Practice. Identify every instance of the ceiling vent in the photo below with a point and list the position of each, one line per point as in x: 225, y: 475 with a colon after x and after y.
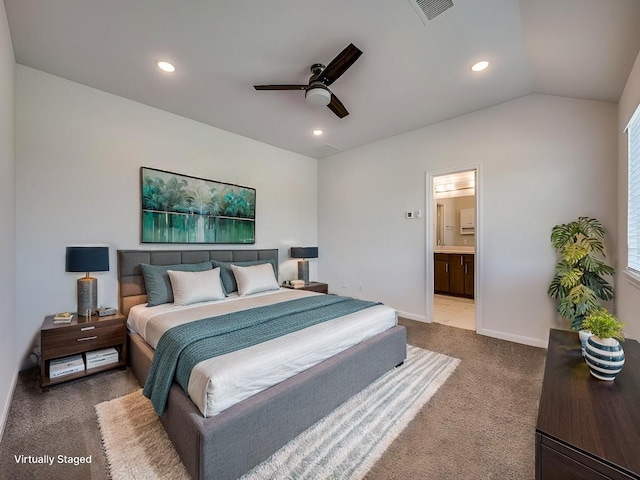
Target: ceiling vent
x: 430, y: 9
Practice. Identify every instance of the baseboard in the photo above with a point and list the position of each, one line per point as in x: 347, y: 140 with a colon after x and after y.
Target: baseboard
x: 412, y: 316
x: 7, y: 404
x: 533, y: 342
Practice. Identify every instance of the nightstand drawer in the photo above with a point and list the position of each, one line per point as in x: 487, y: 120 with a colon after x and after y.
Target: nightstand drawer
x: 81, y: 335
x: 81, y: 338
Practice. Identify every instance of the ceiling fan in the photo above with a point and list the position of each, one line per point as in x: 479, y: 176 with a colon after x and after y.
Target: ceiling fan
x: 317, y: 91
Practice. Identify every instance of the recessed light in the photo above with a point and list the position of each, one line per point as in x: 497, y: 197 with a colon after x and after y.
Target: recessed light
x: 166, y: 67
x: 317, y: 132
x: 478, y: 67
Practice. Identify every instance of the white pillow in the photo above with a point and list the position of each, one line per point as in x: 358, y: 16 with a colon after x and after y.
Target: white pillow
x: 255, y: 278
x: 195, y: 287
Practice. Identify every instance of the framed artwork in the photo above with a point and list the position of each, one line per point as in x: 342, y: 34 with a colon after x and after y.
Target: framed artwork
x: 179, y: 208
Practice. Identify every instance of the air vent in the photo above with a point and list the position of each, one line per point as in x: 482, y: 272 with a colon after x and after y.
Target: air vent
x: 430, y: 9
x: 325, y: 150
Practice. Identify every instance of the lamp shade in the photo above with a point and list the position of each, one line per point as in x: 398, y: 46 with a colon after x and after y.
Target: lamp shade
x: 304, y: 252
x: 87, y: 259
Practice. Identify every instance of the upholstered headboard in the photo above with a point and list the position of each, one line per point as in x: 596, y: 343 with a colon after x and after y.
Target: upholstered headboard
x: 131, y: 289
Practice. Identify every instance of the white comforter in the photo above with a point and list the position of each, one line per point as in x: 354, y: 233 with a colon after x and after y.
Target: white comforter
x: 220, y: 382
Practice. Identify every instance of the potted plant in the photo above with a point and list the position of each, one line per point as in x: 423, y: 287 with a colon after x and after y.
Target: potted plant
x: 603, y: 351
x: 579, y: 280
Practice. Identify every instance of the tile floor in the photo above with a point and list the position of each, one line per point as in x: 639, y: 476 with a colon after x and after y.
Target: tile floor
x: 454, y: 311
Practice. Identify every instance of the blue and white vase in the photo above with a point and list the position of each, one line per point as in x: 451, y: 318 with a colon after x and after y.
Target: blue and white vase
x: 584, y: 335
x: 604, y: 356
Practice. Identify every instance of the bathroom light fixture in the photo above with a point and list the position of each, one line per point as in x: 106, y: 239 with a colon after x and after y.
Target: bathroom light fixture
x: 166, y: 67
x: 479, y: 66
x: 317, y: 132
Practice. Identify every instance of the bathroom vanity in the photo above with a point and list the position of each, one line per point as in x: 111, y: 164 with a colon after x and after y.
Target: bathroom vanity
x: 454, y: 271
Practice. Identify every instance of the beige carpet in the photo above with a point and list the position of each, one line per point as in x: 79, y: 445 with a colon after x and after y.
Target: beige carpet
x: 479, y: 425
x: 345, y: 444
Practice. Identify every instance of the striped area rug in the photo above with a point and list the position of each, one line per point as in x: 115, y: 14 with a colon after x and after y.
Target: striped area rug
x: 343, y: 445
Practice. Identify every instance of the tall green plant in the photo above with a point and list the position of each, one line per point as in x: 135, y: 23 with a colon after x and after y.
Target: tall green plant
x: 578, y: 282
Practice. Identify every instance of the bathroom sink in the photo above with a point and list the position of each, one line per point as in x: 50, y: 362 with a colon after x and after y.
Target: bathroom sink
x: 455, y: 249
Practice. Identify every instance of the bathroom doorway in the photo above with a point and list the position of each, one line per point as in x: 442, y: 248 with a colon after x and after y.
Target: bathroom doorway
x: 453, y: 247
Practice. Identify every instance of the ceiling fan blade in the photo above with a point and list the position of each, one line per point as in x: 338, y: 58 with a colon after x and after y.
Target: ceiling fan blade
x: 340, y: 64
x: 281, y: 87
x: 337, y: 107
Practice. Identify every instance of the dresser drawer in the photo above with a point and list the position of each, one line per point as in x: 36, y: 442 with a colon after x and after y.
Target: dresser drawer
x: 81, y: 338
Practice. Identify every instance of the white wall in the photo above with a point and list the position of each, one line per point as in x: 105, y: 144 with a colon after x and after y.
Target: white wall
x: 8, y: 366
x: 627, y: 294
x: 545, y: 160
x: 79, y: 153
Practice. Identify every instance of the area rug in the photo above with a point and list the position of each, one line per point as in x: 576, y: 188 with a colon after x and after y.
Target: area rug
x: 343, y: 445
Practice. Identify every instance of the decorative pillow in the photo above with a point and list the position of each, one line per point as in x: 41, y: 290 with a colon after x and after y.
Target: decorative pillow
x: 157, y: 283
x: 254, y: 279
x: 227, y: 277
x: 195, y: 287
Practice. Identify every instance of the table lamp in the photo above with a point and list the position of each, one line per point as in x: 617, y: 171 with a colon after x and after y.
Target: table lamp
x: 87, y: 259
x: 303, y: 265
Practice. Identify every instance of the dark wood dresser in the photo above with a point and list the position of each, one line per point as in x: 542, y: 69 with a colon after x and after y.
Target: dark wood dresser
x: 587, y: 428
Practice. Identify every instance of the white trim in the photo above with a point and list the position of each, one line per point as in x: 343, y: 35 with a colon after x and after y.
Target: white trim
x: 632, y: 277
x: 7, y: 405
x: 477, y: 281
x: 636, y: 113
x: 534, y: 342
x: 633, y: 207
x: 413, y: 316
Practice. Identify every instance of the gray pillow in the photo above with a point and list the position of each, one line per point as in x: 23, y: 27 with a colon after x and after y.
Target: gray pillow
x: 227, y: 276
x: 157, y: 283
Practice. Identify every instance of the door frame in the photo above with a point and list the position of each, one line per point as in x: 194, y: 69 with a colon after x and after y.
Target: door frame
x: 477, y: 271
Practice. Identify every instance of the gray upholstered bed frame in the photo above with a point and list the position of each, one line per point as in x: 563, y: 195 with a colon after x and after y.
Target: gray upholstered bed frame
x: 227, y: 445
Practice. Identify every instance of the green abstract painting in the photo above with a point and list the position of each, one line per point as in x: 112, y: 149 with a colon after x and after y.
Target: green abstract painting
x: 182, y: 209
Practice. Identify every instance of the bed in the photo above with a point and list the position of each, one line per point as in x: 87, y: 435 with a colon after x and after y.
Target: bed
x: 234, y: 440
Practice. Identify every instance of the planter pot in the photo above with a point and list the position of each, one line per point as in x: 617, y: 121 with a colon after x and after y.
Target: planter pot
x: 604, y: 356
x: 584, y: 335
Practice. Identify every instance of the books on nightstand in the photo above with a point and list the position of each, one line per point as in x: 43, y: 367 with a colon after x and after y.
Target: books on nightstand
x: 98, y: 358
x: 64, y: 317
x: 297, y: 283
x: 65, y: 366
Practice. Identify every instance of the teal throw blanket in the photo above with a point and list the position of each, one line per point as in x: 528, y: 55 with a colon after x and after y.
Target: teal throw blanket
x: 182, y: 347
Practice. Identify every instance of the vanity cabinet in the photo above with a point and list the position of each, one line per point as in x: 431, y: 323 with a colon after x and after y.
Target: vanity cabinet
x: 441, y: 272
x: 456, y: 274
x: 453, y: 274
x: 468, y: 275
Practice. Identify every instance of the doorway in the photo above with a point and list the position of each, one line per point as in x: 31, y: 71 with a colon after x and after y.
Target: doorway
x: 453, y: 247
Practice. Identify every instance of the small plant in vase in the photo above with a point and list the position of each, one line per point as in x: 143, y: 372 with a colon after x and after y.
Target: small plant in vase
x: 603, y: 351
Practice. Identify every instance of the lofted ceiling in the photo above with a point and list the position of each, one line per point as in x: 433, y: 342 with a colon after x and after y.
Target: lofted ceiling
x: 413, y: 72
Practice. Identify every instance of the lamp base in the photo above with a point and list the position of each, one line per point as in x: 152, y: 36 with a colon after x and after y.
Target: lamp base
x: 303, y: 271
x: 87, y: 296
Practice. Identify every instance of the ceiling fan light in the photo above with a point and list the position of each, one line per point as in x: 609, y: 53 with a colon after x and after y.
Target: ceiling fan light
x: 318, y: 96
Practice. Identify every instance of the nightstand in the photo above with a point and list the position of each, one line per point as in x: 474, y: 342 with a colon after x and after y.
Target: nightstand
x: 82, y: 335
x: 313, y: 287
